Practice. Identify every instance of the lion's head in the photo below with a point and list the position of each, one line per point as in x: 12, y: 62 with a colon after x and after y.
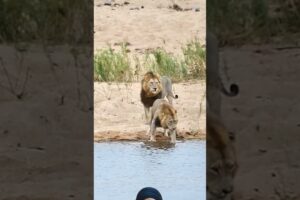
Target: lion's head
x: 221, y: 160
x: 151, y: 84
x: 168, y: 116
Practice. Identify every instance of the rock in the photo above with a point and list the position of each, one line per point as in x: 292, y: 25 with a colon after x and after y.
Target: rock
x: 257, y: 128
x: 135, y: 8
x: 107, y: 3
x: 262, y: 150
x: 176, y: 7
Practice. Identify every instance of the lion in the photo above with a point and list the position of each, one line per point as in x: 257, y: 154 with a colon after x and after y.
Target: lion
x: 164, y: 115
x: 221, y: 163
x: 155, y: 87
x: 215, y: 86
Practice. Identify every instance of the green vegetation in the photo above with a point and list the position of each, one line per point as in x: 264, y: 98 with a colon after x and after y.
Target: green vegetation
x: 166, y: 64
x: 110, y: 65
x: 237, y: 21
x: 45, y: 21
x: 195, y: 58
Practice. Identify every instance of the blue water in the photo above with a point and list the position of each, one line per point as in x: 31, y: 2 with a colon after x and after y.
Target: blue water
x: 123, y: 168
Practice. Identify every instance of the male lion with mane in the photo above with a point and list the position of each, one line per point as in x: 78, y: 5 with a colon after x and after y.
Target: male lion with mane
x: 221, y: 160
x: 155, y: 87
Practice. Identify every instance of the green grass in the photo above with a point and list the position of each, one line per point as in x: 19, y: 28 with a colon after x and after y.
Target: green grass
x: 195, y: 58
x: 238, y: 22
x: 112, y: 66
x: 45, y: 20
x: 115, y: 66
x: 166, y: 64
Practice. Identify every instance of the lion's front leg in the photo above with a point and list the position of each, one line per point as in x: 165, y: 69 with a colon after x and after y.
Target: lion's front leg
x: 147, y: 115
x: 173, y: 136
x: 166, y: 132
x: 152, y: 131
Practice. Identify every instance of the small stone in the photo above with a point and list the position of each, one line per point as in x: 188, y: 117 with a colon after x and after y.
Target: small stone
x: 257, y: 128
x: 136, y: 8
x: 176, y: 7
x: 262, y: 150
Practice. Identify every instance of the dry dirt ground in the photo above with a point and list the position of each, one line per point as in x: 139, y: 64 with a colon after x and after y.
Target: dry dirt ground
x: 154, y: 25
x: 267, y: 128
x: 36, y: 127
x: 145, y: 25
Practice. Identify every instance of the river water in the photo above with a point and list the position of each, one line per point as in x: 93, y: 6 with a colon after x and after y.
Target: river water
x: 121, y: 169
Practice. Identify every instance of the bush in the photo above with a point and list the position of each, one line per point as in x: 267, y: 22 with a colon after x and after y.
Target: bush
x: 112, y: 66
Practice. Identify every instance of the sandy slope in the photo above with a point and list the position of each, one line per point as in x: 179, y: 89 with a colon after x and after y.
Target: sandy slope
x: 153, y: 26
x: 119, y: 114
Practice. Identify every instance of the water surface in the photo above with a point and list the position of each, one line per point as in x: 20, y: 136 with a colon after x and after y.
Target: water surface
x: 123, y: 168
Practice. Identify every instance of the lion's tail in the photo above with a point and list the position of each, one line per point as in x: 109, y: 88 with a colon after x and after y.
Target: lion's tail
x: 175, y: 96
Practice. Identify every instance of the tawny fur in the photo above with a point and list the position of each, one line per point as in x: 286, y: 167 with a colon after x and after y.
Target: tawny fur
x: 155, y: 87
x: 145, y: 88
x: 163, y: 115
x: 221, y: 160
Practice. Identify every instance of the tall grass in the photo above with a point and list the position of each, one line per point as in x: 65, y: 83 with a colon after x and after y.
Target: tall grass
x: 166, y: 64
x: 110, y: 65
x: 45, y: 20
x: 195, y: 58
x: 237, y: 21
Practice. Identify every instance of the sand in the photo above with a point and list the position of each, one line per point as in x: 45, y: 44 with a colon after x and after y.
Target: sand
x: 119, y: 113
x: 155, y: 25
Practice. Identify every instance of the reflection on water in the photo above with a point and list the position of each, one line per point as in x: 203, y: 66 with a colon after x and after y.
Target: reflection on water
x: 158, y: 145
x: 123, y: 168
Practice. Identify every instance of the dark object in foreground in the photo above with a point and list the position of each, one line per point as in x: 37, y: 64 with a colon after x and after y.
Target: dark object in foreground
x: 149, y: 192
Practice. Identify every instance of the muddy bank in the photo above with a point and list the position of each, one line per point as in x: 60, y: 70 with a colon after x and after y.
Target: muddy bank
x: 141, y: 136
